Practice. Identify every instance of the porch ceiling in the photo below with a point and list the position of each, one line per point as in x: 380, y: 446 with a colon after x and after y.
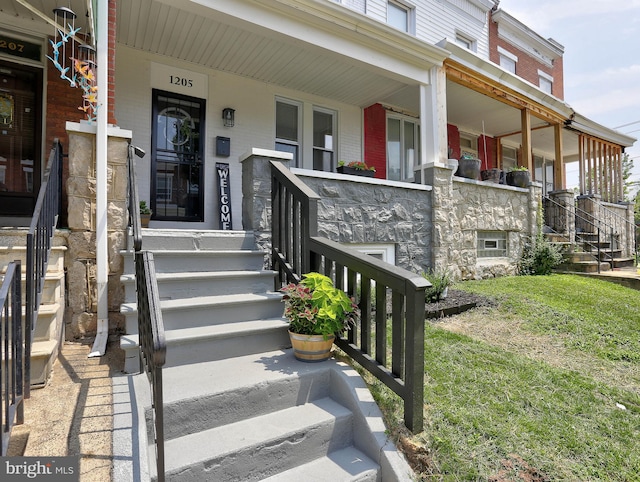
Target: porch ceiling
x: 216, y: 41
x: 468, y: 109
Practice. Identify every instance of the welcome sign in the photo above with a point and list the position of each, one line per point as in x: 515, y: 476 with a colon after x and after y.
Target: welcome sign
x: 224, y: 195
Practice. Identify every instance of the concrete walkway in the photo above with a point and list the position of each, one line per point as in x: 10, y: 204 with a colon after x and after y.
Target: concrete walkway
x: 73, y: 414
x: 629, y: 277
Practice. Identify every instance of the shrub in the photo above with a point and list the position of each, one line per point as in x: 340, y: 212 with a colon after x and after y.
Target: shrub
x: 539, y: 257
x: 440, y: 281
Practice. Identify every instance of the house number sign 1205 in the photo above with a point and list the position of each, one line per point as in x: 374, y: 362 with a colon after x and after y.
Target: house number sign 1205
x: 176, y: 80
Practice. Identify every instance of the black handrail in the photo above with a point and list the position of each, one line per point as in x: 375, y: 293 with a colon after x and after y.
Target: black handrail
x: 12, y: 364
x: 297, y: 250
x: 39, y: 240
x: 153, y: 347
x: 588, y: 220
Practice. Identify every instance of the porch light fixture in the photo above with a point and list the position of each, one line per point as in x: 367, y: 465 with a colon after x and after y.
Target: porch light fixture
x: 228, y: 116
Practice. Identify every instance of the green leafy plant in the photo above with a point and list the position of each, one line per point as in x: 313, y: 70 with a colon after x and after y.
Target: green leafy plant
x: 518, y: 168
x: 316, y: 307
x: 539, y: 257
x: 144, y: 209
x: 440, y: 281
x: 359, y: 165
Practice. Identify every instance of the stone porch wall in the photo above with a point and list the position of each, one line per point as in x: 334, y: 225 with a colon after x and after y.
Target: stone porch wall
x: 81, y: 316
x: 462, y: 207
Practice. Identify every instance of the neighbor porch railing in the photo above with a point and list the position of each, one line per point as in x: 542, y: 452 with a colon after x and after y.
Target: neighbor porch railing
x: 39, y: 239
x: 151, y: 333
x: 12, y: 344
x: 377, y: 286
x: 598, y: 235
x: 16, y: 338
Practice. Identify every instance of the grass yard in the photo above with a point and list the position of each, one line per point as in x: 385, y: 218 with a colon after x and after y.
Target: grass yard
x: 544, y: 386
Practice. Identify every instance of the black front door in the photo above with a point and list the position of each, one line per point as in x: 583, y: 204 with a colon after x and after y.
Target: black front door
x: 177, y: 172
x: 20, y: 134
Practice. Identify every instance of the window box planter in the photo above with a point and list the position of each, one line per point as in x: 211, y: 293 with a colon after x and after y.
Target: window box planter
x: 355, y: 172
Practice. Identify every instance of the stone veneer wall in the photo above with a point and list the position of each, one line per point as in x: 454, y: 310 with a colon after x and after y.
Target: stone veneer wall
x: 616, y: 216
x: 462, y: 207
x: 81, y: 317
x: 361, y: 210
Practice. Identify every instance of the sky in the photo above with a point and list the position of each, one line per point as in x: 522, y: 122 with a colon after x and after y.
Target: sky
x: 601, y: 40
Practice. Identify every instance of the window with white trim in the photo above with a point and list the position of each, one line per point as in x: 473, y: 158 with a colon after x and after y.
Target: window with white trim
x: 403, y: 147
x: 545, y: 81
x: 466, y: 42
x: 400, y: 16
x: 468, y: 144
x: 289, y: 129
x: 324, y: 139
x: 492, y: 244
x: 509, y: 157
x: 508, y: 60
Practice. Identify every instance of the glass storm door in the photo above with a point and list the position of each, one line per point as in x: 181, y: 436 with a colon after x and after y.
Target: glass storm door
x: 177, y: 192
x: 20, y: 133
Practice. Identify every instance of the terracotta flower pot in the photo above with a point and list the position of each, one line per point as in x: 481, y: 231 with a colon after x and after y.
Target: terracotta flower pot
x: 311, y: 348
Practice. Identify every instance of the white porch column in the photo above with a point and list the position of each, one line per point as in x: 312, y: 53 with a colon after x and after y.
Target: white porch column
x: 433, y: 121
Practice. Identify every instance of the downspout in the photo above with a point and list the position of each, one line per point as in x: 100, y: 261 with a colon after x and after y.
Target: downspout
x: 102, y: 258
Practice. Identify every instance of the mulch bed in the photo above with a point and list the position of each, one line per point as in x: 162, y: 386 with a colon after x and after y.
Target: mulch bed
x: 456, y: 302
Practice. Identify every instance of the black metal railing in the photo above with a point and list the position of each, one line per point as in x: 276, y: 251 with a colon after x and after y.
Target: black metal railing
x: 376, y: 285
x: 597, y: 235
x: 12, y: 362
x: 151, y: 332
x: 39, y: 240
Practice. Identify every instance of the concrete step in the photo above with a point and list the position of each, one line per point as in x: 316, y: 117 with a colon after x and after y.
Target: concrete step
x: 56, y: 257
x: 49, y: 322
x: 578, y: 257
x: 43, y: 355
x: 346, y: 465
x: 215, y: 342
x: 210, y: 310
x: 177, y: 261
x: 583, y: 267
x: 623, y: 262
x: 262, y: 446
x: 182, y: 239
x: 201, y: 283
x: 261, y: 383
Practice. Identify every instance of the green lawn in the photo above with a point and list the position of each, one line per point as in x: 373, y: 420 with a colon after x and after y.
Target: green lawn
x: 544, y: 385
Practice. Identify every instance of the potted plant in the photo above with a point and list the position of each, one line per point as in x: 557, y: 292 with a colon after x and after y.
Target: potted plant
x: 357, y: 168
x: 145, y: 214
x: 468, y: 167
x: 491, y: 175
x: 316, y: 311
x: 519, y: 177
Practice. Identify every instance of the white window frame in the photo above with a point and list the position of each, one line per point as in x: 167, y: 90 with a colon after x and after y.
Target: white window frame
x: 545, y: 82
x: 334, y: 137
x: 297, y: 161
x: 508, y: 60
x: 492, y: 244
x: 410, y: 11
x: 466, y: 41
x: 472, y: 150
x: 404, y: 176
x: 512, y: 161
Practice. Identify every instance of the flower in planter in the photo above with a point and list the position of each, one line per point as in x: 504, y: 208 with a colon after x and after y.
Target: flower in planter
x: 315, y: 307
x: 359, y: 165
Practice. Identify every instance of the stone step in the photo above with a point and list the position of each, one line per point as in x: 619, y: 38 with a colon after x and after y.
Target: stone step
x: 346, y: 465
x: 262, y: 446
x: 173, y: 286
x: 578, y: 257
x: 583, y: 267
x: 49, y: 322
x: 210, y: 310
x: 215, y: 342
x: 183, y: 239
x: 623, y: 262
x: 176, y: 261
x: 43, y: 355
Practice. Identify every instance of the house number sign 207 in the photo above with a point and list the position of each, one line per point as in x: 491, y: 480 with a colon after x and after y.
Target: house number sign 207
x: 176, y: 80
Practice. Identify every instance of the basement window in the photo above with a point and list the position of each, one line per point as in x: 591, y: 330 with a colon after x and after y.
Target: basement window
x: 492, y: 244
